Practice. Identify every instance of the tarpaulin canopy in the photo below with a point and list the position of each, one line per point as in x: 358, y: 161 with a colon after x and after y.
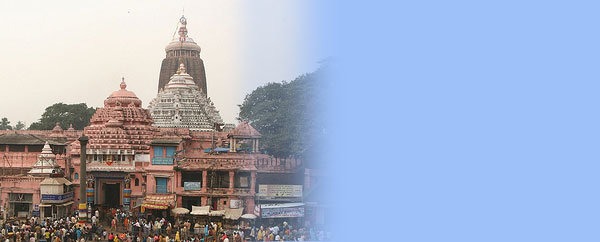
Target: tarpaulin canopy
x: 233, y: 213
x: 217, y: 213
x: 249, y: 216
x: 180, y: 211
x: 158, y: 201
x: 197, y: 210
x: 218, y: 149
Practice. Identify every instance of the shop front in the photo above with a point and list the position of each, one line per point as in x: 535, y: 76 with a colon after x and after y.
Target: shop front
x: 56, y: 197
x: 157, y: 205
x: 20, y: 204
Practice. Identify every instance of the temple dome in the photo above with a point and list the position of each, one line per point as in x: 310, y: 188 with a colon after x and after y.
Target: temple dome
x: 189, y: 44
x: 122, y: 97
x: 121, y: 126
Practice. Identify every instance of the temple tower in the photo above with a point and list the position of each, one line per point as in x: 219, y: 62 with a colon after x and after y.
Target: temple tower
x: 180, y: 104
x: 183, y: 50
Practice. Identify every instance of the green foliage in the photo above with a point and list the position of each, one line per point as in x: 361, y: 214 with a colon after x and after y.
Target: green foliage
x: 77, y: 114
x: 19, y: 126
x: 5, y: 124
x: 284, y: 113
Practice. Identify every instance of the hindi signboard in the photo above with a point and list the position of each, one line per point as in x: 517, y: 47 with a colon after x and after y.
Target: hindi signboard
x: 192, y: 186
x: 289, y: 210
x: 280, y: 190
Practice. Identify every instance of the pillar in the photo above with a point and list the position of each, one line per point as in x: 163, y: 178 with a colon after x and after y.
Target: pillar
x: 231, y: 181
x: 232, y: 144
x: 257, y: 144
x: 204, y: 180
x: 203, y: 201
x: 306, y: 179
x: 253, y: 182
x: 83, y: 140
x: 178, y: 175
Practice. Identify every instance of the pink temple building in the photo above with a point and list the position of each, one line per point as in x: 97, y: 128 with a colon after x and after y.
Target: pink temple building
x: 186, y: 160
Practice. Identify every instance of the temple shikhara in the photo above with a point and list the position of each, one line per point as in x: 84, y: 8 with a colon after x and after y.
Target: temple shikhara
x: 182, y: 105
x: 176, y: 153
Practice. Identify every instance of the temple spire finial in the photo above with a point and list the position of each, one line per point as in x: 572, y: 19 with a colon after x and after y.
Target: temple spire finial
x: 123, y: 84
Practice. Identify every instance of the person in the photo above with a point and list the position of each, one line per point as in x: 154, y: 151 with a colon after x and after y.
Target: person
x: 113, y: 225
x: 259, y: 235
x: 225, y: 239
x: 237, y: 237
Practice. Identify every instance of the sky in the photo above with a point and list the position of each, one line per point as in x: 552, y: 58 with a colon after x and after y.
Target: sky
x: 77, y: 51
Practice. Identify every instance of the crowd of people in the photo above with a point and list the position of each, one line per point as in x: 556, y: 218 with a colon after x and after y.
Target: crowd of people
x: 127, y: 228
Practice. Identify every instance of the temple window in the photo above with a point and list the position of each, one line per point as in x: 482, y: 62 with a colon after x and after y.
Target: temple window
x: 137, y: 182
x: 163, y: 155
x: 161, y: 185
x: 218, y: 179
x: 242, y: 180
x: 193, y: 180
x: 76, y: 176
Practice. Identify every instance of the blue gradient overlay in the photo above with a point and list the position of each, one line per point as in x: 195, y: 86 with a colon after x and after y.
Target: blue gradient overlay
x: 464, y: 120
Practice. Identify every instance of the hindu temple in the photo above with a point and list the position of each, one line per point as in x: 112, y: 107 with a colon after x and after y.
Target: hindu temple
x: 182, y: 105
x: 182, y: 49
x: 149, y: 161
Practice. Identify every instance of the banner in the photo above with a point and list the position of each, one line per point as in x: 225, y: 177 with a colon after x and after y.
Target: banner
x: 158, y: 201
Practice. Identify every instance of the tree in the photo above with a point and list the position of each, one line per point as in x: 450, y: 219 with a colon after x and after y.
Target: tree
x: 77, y: 114
x: 5, y: 124
x: 19, y: 126
x: 285, y: 114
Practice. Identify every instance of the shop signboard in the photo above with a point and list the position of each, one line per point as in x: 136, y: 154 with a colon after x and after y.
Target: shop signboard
x: 278, y: 191
x: 235, y: 203
x: 192, y: 186
x: 282, y: 212
x: 57, y: 198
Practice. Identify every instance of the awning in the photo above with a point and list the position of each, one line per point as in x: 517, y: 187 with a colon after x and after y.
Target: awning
x: 158, y: 201
x: 45, y: 205
x: 217, y: 213
x: 66, y: 204
x: 56, y: 181
x: 197, y: 210
x: 233, y: 213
